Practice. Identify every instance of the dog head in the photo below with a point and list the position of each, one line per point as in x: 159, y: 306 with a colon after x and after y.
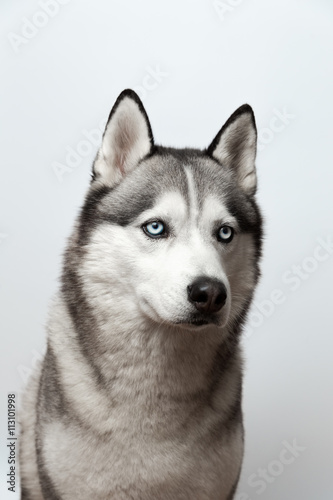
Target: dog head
x: 172, y: 235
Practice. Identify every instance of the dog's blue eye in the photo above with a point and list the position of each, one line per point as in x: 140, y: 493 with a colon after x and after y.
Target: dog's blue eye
x: 225, y: 234
x: 155, y: 228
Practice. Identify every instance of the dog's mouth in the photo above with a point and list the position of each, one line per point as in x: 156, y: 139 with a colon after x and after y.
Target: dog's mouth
x: 197, y: 321
x: 194, y: 320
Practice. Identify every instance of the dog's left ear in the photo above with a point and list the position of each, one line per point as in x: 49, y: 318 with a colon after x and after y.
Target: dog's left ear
x: 127, y: 139
x: 235, y: 147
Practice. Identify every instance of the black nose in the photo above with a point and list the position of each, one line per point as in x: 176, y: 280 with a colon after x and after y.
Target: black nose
x: 208, y: 295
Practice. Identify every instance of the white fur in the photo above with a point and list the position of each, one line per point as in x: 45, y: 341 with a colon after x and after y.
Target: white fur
x: 176, y: 469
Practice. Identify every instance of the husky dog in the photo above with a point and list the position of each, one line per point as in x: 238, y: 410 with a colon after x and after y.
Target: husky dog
x: 139, y: 393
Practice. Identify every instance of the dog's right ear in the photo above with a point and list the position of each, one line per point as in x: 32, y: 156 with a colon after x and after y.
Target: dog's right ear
x: 127, y: 139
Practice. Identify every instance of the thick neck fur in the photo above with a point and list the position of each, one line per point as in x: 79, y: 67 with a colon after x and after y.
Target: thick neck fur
x: 155, y: 372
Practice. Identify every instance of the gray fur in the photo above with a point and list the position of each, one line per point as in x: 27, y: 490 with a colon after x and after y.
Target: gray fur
x: 134, y: 401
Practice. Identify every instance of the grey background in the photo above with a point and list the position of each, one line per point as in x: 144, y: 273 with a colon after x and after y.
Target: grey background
x: 193, y: 63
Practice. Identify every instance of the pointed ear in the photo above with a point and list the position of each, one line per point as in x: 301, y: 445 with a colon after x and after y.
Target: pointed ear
x: 127, y: 139
x: 235, y: 147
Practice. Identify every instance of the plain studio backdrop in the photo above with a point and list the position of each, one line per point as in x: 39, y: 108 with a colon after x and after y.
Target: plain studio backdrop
x: 193, y: 63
